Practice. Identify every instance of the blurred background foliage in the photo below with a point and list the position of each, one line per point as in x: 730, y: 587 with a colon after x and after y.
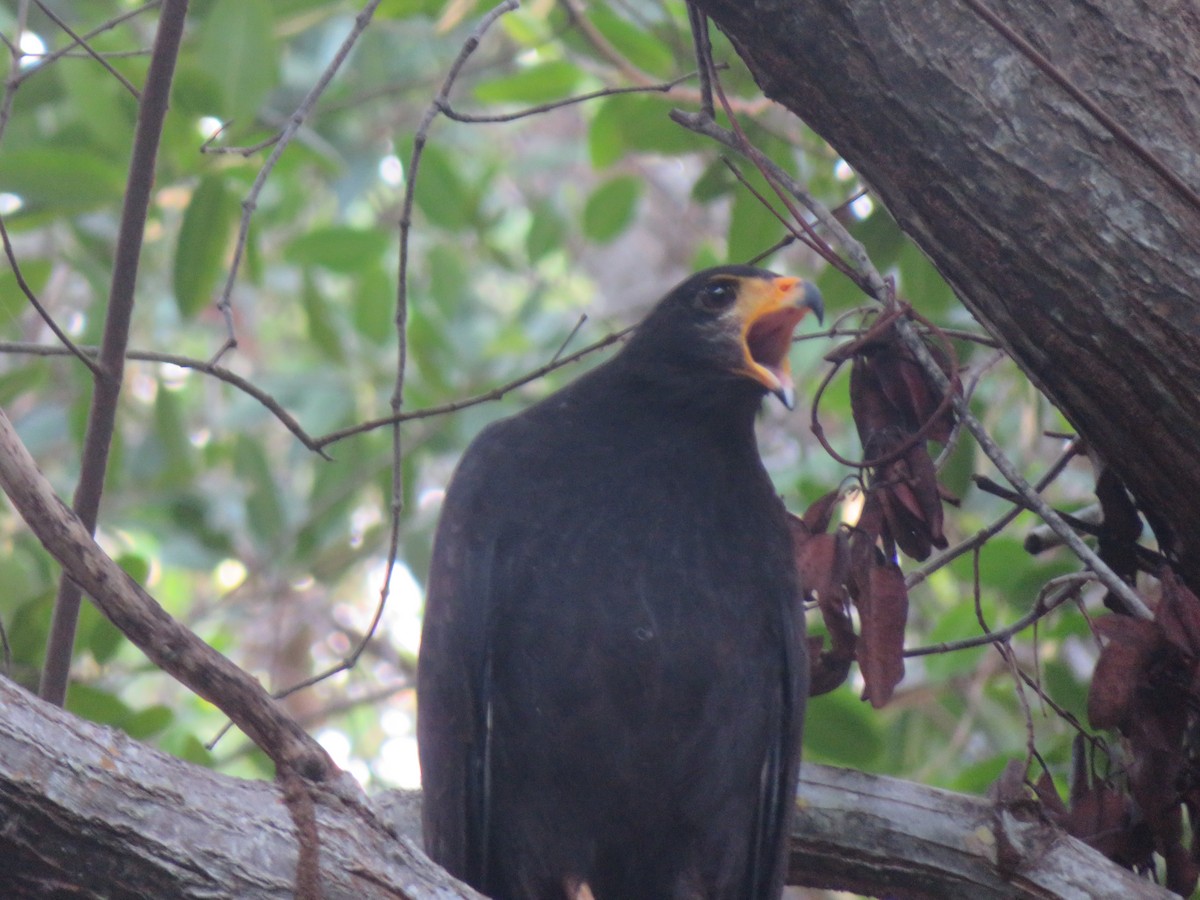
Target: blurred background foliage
x: 521, y: 230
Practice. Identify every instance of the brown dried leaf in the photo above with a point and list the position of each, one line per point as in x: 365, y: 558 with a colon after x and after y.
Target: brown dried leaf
x: 1009, y: 788
x: 1120, y: 669
x: 818, y: 516
x: 883, y: 613
x: 822, y: 561
x: 827, y: 669
x: 880, y: 425
x: 928, y: 492
x: 1182, y: 871
x: 1102, y: 818
x: 1179, y: 614
x: 910, y: 391
x: 904, y: 524
x: 1055, y: 809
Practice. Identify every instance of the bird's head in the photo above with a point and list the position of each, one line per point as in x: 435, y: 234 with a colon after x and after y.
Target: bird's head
x: 732, y: 322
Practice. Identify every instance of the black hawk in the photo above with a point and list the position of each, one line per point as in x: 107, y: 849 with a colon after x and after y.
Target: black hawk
x: 612, y: 672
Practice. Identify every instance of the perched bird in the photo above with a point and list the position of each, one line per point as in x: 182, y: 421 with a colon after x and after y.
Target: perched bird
x: 612, y: 671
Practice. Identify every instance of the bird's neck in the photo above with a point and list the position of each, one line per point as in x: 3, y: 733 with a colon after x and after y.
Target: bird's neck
x: 719, y: 408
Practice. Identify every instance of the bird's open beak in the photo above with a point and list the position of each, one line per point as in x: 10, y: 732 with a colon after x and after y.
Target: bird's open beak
x: 770, y: 309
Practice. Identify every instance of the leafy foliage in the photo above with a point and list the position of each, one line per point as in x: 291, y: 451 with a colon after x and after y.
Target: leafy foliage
x: 520, y: 228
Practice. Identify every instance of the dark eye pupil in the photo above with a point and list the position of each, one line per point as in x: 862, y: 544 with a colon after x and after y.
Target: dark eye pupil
x: 718, y: 296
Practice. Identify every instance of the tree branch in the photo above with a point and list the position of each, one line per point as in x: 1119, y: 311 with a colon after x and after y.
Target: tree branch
x: 194, y: 832
x: 102, y: 413
x: 167, y: 643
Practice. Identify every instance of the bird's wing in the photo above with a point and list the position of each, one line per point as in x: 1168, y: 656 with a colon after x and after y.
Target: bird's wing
x: 454, y: 669
x: 781, y: 768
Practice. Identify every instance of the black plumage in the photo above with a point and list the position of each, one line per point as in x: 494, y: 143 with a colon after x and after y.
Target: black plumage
x: 612, y: 672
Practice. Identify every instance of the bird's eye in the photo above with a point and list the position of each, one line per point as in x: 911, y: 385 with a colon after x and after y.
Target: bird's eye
x: 718, y: 295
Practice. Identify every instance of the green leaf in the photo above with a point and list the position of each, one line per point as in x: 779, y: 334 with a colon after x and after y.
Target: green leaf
x: 136, y: 566
x: 102, y: 105
x: 635, y: 122
x: 170, y: 427
x: 922, y: 284
x: 322, y: 330
x: 95, y: 705
x: 611, y: 207
x: 406, y: 9
x: 536, y: 84
x: 98, y: 635
x: 66, y: 180
x: 204, y: 236
x: 375, y: 307
x: 714, y: 182
x: 338, y: 248
x: 148, y: 722
x: 839, y: 729
x: 187, y: 747
x: 752, y: 226
x: 547, y: 232
x: 441, y: 193
x: 13, y: 302
x: 237, y: 45
x: 264, y: 507
x: 645, y: 50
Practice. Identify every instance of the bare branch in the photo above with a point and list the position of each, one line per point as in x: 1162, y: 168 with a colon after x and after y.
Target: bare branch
x: 82, y: 42
x: 397, y: 401
x: 495, y: 393
x: 474, y: 118
x: 873, y: 283
x: 986, y: 534
x: 107, y: 385
x: 185, y: 362
x: 201, y: 833
x: 250, y: 203
x: 67, y: 343
x: 12, y: 80
x: 167, y: 643
x: 1063, y: 589
x: 65, y: 50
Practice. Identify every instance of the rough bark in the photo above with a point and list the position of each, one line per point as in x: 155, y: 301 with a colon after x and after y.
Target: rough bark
x: 85, y: 808
x: 1073, y: 251
x: 87, y: 811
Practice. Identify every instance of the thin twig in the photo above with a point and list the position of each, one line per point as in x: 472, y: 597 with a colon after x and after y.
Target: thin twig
x: 67, y: 343
x: 562, y: 348
x: 13, y: 79
x: 969, y: 388
x: 1063, y: 588
x: 872, y: 282
x: 984, y: 535
x: 703, y: 47
x: 250, y: 203
x: 184, y: 362
x: 82, y: 42
x: 44, y: 61
x: 476, y: 118
x: 397, y: 402
x: 1111, y: 580
x: 857, y: 253
x: 351, y: 659
x: 102, y: 412
x: 495, y: 393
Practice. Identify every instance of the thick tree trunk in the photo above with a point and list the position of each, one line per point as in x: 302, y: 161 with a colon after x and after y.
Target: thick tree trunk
x: 85, y: 808
x: 1071, y: 249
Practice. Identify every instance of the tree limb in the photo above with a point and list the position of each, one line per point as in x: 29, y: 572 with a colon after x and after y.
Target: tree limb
x: 1072, y: 250
x: 88, y: 806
